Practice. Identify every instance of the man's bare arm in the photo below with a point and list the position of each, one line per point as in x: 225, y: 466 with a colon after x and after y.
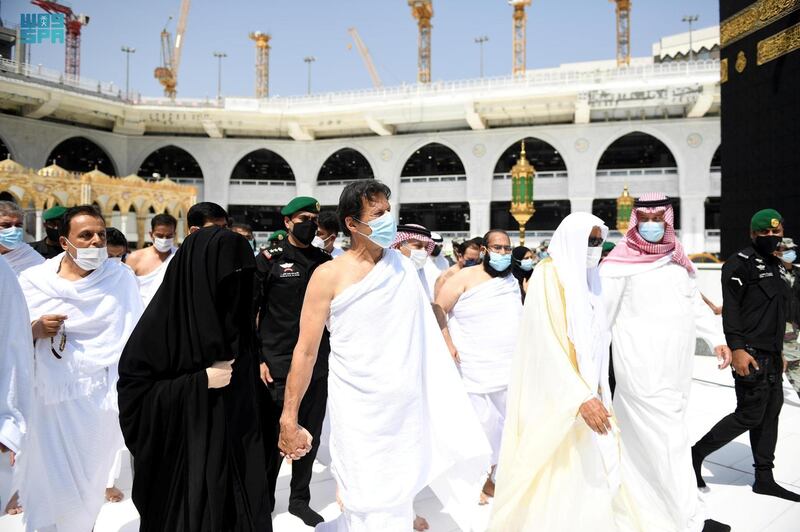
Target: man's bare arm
x: 444, y: 303
x: 316, y: 306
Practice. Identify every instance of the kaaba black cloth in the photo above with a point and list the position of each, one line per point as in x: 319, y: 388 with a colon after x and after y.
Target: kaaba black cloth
x: 198, y: 453
x: 760, y: 124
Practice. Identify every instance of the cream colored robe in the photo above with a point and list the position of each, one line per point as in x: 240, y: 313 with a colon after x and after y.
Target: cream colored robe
x: 554, y: 473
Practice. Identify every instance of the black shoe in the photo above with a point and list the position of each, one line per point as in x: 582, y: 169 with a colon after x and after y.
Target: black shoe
x: 715, y: 526
x: 304, y: 512
x: 697, y: 464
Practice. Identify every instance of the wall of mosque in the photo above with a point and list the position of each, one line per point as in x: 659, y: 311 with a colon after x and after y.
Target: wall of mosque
x: 692, y: 142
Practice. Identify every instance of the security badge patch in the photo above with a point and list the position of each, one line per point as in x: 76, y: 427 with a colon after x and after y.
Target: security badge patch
x: 288, y: 270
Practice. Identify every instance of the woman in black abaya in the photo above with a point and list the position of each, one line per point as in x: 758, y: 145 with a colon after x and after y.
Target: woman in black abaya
x: 198, y: 451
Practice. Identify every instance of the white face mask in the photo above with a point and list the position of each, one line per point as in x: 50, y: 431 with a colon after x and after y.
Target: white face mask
x: 115, y: 259
x: 318, y: 243
x: 593, y: 256
x: 163, y: 244
x: 89, y: 258
x: 418, y: 257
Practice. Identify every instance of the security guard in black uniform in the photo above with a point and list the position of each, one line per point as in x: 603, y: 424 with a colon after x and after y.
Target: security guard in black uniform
x: 753, y: 295
x: 283, y: 273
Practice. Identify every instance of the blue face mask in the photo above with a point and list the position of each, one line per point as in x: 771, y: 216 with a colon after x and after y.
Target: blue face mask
x: 384, y: 229
x: 471, y: 262
x: 11, y: 237
x: 543, y: 255
x: 789, y: 256
x: 653, y: 232
x: 499, y: 262
x: 526, y: 265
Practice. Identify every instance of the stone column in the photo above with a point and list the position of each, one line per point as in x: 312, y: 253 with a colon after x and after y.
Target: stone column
x: 480, y: 215
x: 123, y: 223
x: 693, y: 224
x: 581, y: 204
x: 39, y: 226
x: 140, y: 225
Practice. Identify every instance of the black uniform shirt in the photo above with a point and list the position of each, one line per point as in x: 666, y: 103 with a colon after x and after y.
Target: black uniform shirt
x: 46, y: 250
x: 753, y: 301
x: 281, y: 282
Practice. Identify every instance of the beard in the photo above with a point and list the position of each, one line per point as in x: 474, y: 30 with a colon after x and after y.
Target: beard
x: 491, y: 271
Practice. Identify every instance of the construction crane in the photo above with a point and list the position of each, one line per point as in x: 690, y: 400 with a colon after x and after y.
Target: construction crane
x: 262, y: 62
x: 623, y: 32
x: 365, y: 55
x: 72, y: 44
x: 423, y: 12
x: 520, y: 36
x: 167, y: 73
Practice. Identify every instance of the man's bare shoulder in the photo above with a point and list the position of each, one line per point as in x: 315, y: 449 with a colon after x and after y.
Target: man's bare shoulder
x: 135, y: 257
x: 471, y: 277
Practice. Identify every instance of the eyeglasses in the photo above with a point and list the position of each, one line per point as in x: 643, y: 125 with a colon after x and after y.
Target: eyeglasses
x: 61, y: 345
x: 595, y: 241
x: 498, y: 248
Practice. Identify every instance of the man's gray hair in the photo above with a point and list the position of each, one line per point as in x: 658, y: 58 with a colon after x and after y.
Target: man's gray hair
x: 9, y: 208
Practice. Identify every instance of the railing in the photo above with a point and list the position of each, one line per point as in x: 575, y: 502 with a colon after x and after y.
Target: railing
x: 179, y: 180
x: 628, y: 172
x: 434, y: 179
x: 539, y: 175
x: 335, y: 182
x: 40, y: 73
x: 552, y: 77
x: 533, y: 78
x: 262, y: 182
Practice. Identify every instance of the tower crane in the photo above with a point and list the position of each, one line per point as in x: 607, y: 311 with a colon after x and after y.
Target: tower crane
x: 623, y: 31
x: 72, y: 43
x: 520, y: 23
x: 422, y: 10
x: 167, y: 73
x: 365, y: 55
x: 262, y: 62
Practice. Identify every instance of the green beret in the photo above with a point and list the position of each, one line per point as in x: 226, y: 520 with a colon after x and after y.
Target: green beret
x: 277, y: 236
x: 608, y: 246
x: 301, y: 203
x: 765, y: 219
x: 53, y: 212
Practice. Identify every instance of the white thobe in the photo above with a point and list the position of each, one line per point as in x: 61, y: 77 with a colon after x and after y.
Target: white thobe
x: 656, y: 313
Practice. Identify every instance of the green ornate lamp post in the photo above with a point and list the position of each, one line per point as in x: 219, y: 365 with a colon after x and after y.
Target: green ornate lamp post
x: 624, y: 209
x: 522, y: 176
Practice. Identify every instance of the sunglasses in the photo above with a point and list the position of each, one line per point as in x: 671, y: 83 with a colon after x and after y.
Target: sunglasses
x: 595, y: 241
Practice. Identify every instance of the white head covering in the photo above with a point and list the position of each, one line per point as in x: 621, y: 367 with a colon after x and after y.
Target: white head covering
x: 587, y: 327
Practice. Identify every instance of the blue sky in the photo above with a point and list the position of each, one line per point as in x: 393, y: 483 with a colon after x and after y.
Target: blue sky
x: 559, y: 31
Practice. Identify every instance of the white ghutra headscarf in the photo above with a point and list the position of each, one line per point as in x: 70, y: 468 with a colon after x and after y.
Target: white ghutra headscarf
x: 587, y: 326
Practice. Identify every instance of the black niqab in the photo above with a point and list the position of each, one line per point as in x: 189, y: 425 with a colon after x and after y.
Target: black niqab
x: 198, y: 452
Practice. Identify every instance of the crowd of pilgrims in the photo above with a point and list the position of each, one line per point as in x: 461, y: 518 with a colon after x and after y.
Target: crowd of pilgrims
x: 543, y: 381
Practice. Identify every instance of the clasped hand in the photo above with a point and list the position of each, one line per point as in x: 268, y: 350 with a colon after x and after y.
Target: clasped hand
x: 596, y: 416
x: 294, y: 442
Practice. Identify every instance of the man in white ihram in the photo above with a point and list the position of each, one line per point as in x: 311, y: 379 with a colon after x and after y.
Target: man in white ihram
x: 656, y: 313
x: 485, y: 306
x: 400, y: 419
x: 83, y: 308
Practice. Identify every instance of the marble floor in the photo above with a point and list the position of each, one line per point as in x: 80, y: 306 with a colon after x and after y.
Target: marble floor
x: 728, y: 473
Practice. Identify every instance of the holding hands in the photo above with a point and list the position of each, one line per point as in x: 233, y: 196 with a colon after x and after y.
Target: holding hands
x: 596, y: 416
x: 294, y: 442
